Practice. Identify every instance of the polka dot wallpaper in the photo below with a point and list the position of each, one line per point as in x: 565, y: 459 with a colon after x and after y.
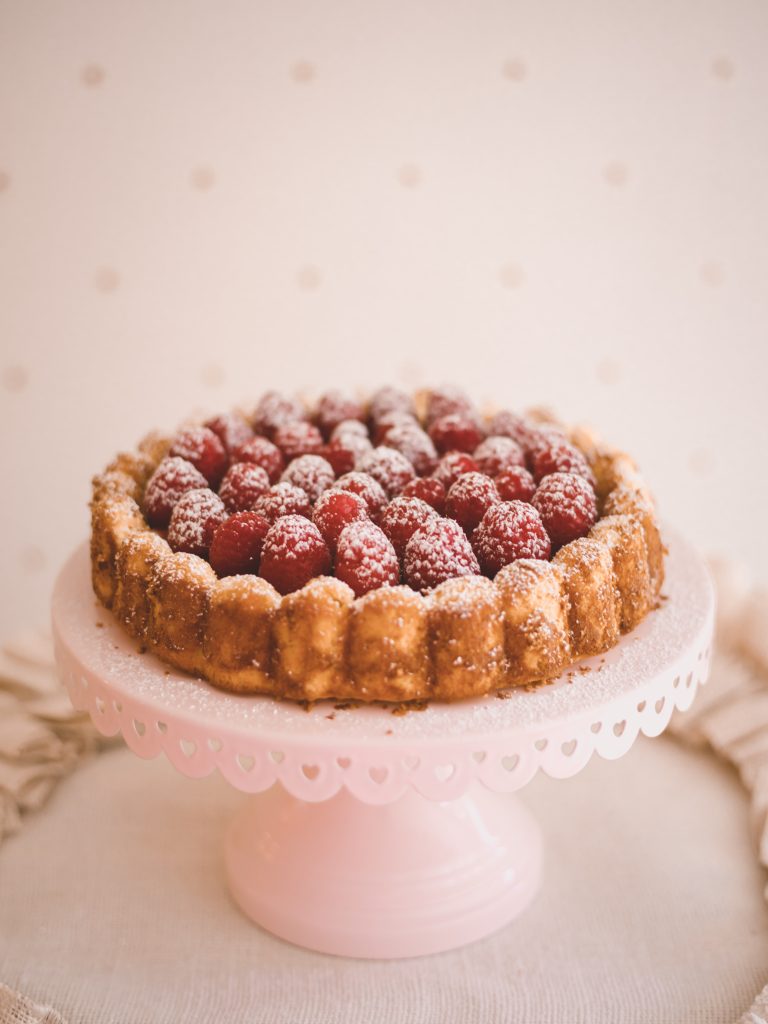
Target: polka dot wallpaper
x: 544, y: 201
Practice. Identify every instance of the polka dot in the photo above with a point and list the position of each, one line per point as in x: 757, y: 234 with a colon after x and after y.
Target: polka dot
x: 309, y: 278
x: 616, y: 173
x: 202, y: 178
x: 711, y: 274
x: 92, y: 76
x: 608, y: 371
x: 511, y: 275
x: 722, y: 68
x: 5, y: 181
x: 106, y: 279
x: 303, y: 72
x: 514, y: 70
x: 33, y: 558
x: 701, y: 462
x: 409, y: 175
x: 15, y: 379
x: 212, y: 375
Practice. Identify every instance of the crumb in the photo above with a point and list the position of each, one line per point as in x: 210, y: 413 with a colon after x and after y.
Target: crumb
x: 166, y: 673
x: 583, y: 669
x: 331, y: 716
x: 345, y: 705
x: 415, y: 705
x: 99, y: 625
x: 388, y: 732
x: 503, y: 694
x: 308, y: 705
x: 141, y: 649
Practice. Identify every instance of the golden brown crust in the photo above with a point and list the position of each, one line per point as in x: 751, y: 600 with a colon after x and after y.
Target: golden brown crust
x: 468, y: 637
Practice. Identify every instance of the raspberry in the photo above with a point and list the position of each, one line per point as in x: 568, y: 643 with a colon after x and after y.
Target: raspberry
x: 261, y: 452
x: 194, y: 520
x: 347, y: 428
x: 402, y: 518
x: 365, y: 559
x: 336, y: 509
x: 274, y: 410
x: 392, y: 419
x: 334, y: 408
x: 429, y: 490
x: 540, y: 438
x: 509, y: 424
x: 237, y: 543
x: 560, y: 458
x: 231, y: 428
x: 456, y: 432
x: 346, y: 447
x: 282, y: 500
x: 508, y: 531
x: 567, y: 506
x: 204, y: 450
x: 172, y: 478
x: 436, y: 553
x: 387, y: 466
x: 293, y: 553
x: 243, y: 483
x: 515, y: 484
x: 341, y: 459
x: 470, y: 498
x: 496, y: 454
x: 311, y: 473
x: 415, y: 444
x: 370, y: 490
x: 452, y: 466
x: 447, y: 401
x: 389, y: 400
x: 298, y: 438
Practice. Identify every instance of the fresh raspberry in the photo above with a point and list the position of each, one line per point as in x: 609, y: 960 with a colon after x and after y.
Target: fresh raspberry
x: 436, y: 553
x: 392, y: 419
x: 567, y: 506
x: 539, y: 439
x: 561, y: 458
x: 346, y: 447
x: 508, y: 531
x: 274, y: 410
x: 243, y: 483
x: 347, y: 428
x: 298, y: 438
x: 282, y: 500
x: 204, y: 450
x: 342, y: 459
x: 172, y: 478
x: 231, y: 428
x: 365, y: 559
x: 470, y: 498
x: 194, y: 520
x: 370, y: 490
x: 311, y: 473
x: 447, y: 401
x: 402, y: 518
x: 509, y: 424
x: 294, y: 552
x: 334, y: 408
x: 415, y: 444
x: 389, y: 400
x: 452, y: 466
x: 387, y: 466
x: 429, y: 490
x: 456, y: 433
x: 261, y: 452
x: 515, y: 484
x: 498, y: 453
x: 237, y: 543
x: 336, y: 509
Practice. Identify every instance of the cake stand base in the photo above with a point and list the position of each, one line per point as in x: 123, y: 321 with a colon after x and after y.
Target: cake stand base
x: 403, y: 879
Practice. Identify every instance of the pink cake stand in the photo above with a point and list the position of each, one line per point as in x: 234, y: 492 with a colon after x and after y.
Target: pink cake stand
x: 389, y: 835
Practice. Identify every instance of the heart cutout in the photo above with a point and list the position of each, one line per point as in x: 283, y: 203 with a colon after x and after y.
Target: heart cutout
x: 619, y: 728
x: 246, y: 762
x: 343, y: 762
x: 188, y: 747
x: 444, y: 772
x: 569, y: 747
x: 378, y: 775
x: 510, y: 761
x: 310, y: 771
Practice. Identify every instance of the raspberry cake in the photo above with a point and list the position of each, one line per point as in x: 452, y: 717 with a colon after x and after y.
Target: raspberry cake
x: 398, y: 549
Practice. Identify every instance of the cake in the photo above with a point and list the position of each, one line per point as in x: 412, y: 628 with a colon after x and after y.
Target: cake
x: 400, y: 549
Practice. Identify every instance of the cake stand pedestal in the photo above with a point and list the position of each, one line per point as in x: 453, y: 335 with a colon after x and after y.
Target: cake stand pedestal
x: 389, y: 835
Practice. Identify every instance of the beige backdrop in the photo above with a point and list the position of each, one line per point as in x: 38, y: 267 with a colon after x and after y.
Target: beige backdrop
x: 546, y: 201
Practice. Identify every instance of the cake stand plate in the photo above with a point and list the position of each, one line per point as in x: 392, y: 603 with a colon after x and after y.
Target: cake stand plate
x: 390, y: 834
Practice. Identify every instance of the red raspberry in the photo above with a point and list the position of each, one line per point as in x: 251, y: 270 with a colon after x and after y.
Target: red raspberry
x: 402, y: 518
x: 456, y: 433
x: 429, y: 490
x: 567, y: 506
x: 561, y: 458
x: 194, y: 520
x: 387, y: 466
x: 204, y: 450
x: 261, y: 452
x: 389, y: 400
x: 347, y: 428
x: 370, y: 490
x: 392, y: 419
x: 341, y: 459
x: 231, y: 428
x: 274, y: 410
x: 294, y: 552
x: 452, y: 466
x: 298, y: 438
x: 336, y: 509
x: 496, y: 454
x: 515, y: 484
x: 436, y: 553
x: 445, y: 402
x: 470, y: 498
x: 172, y: 478
x: 243, y: 483
x: 236, y: 545
x: 509, y: 424
x: 311, y: 473
x: 415, y: 444
x: 334, y: 408
x: 541, y: 438
x: 365, y: 559
x: 282, y: 500
x: 508, y: 531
